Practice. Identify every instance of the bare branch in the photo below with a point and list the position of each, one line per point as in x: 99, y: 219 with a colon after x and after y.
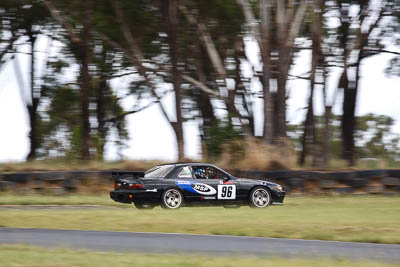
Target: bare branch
x: 249, y: 16
x: 56, y: 14
x: 124, y: 114
x: 363, y: 37
x: 8, y: 47
x: 121, y: 75
x: 207, y: 42
x: 135, y: 55
x: 297, y: 23
x: 200, y: 85
x: 187, y: 78
x: 136, y: 52
x: 382, y: 51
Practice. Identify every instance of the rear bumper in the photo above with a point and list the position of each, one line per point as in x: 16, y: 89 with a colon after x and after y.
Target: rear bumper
x: 134, y: 196
x: 122, y: 197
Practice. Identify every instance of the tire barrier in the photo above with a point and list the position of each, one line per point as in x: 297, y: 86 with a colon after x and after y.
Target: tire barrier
x: 316, y: 182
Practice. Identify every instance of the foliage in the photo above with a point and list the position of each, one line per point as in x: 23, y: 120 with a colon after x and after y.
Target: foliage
x: 374, y: 137
x: 197, y: 50
x: 223, y: 136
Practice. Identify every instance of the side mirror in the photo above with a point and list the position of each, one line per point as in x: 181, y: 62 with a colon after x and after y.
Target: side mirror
x: 225, y: 179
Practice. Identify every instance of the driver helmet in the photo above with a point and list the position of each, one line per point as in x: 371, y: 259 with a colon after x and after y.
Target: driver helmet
x: 200, y: 174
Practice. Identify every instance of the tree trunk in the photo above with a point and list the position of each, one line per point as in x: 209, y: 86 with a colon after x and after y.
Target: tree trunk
x: 349, y: 118
x: 265, y: 56
x: 316, y: 29
x: 32, y: 107
x: 100, y: 102
x: 86, y: 86
x: 308, y: 129
x: 327, y: 135
x: 203, y: 101
x: 288, y: 29
x: 280, y: 109
x: 176, y: 79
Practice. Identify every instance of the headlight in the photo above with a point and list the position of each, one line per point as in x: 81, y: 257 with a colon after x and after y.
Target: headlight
x: 278, y: 187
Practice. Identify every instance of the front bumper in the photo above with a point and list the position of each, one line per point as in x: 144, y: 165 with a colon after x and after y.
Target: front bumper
x: 278, y: 197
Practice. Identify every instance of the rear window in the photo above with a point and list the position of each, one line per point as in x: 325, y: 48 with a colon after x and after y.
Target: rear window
x: 158, y: 171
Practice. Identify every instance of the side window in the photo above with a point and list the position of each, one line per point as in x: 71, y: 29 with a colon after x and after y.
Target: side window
x: 214, y: 173
x: 185, y: 172
x: 208, y: 173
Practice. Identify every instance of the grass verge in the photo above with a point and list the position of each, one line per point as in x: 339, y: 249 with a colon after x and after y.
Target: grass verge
x: 17, y: 255
x: 72, y: 199
x: 362, y: 219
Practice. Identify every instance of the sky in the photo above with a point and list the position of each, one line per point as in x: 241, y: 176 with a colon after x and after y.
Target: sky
x: 151, y: 136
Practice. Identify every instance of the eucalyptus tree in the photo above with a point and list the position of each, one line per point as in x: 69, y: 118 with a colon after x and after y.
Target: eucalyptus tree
x: 275, y: 25
x: 358, y: 37
x: 185, y: 44
x: 22, y: 24
x: 97, y: 65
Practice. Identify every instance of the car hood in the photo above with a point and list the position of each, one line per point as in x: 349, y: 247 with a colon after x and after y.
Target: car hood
x: 261, y: 182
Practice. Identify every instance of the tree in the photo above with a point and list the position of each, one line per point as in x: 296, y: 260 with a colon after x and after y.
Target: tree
x: 356, y: 38
x: 20, y: 20
x: 373, y: 137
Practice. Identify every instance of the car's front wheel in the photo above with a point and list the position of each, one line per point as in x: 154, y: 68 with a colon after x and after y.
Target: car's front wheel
x: 260, y: 197
x: 171, y: 199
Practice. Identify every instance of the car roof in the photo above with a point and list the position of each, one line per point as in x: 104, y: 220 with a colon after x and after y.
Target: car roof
x: 187, y: 163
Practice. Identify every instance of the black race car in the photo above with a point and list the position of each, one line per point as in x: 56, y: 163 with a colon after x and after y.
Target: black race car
x: 176, y: 184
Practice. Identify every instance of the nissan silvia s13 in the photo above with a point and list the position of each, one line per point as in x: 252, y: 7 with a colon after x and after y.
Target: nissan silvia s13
x: 174, y: 185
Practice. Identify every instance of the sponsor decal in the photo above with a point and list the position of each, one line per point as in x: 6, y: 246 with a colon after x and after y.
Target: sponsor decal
x: 209, y: 197
x: 226, y: 191
x: 185, y: 185
x: 197, y: 188
x: 151, y: 190
x: 203, y: 189
x: 182, y: 182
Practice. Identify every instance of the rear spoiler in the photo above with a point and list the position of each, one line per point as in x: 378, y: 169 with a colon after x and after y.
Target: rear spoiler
x: 127, y: 174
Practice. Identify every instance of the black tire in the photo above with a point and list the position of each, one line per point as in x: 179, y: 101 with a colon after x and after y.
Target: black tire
x: 393, y: 173
x: 371, y: 173
x: 391, y: 181
x: 295, y: 182
x: 142, y: 206
x: 341, y: 176
x: 358, y: 182
x: 171, y: 199
x: 260, y: 197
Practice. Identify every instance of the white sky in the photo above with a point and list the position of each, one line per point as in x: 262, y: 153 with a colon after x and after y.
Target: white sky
x: 151, y: 136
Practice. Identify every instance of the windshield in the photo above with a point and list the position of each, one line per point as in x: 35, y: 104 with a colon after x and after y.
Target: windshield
x: 158, y: 171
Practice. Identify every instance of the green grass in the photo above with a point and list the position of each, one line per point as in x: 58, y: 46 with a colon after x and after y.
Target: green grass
x: 17, y: 255
x: 72, y: 199
x: 362, y: 218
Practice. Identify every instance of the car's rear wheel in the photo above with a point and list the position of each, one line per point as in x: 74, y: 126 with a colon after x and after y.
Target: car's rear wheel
x: 142, y: 206
x: 260, y: 197
x: 171, y: 199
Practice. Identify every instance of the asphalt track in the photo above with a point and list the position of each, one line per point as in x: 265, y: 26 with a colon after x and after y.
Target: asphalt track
x: 203, y: 244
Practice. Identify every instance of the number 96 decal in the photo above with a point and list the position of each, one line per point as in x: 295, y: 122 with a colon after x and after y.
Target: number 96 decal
x: 226, y: 191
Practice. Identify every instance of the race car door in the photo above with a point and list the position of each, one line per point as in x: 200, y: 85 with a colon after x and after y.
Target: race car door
x: 212, y: 184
